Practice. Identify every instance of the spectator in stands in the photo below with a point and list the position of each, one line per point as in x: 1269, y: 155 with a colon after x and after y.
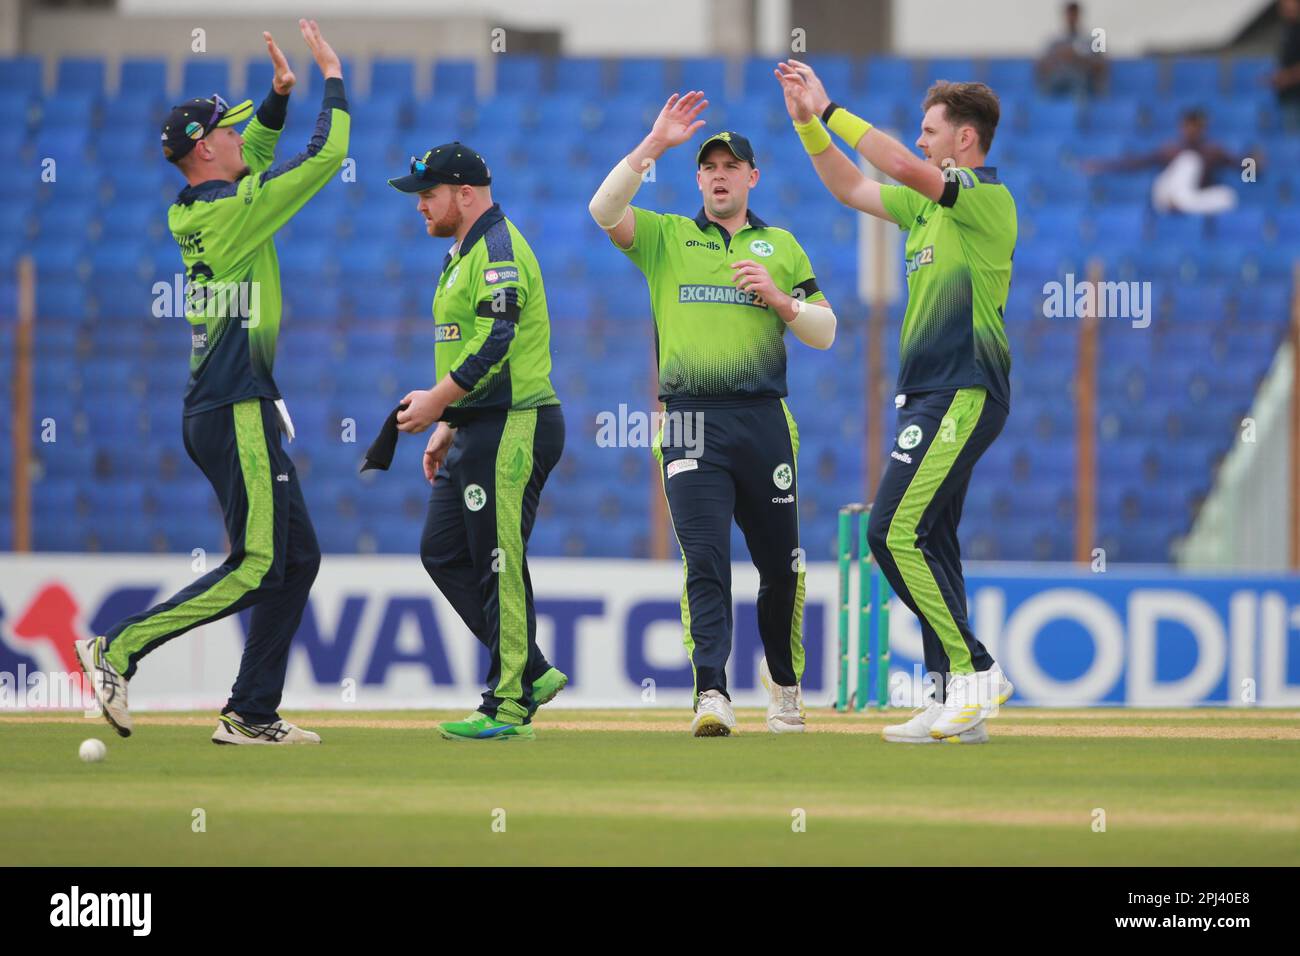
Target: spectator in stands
x: 1187, y: 182
x: 1286, y: 79
x: 1070, y: 66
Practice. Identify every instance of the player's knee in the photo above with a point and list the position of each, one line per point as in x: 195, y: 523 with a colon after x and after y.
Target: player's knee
x: 306, y: 564
x: 878, y: 534
x: 259, y: 572
x: 435, y: 559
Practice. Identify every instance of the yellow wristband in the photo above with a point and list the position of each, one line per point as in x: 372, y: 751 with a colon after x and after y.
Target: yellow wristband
x: 813, y: 135
x: 848, y: 127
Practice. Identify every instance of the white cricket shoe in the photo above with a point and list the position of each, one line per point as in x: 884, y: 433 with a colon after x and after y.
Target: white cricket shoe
x: 713, y: 715
x: 108, y: 685
x: 232, y: 729
x: 971, y: 699
x: 785, y: 713
x: 917, y: 730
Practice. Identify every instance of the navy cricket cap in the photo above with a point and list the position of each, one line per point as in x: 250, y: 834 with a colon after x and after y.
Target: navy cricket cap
x: 739, y: 146
x: 194, y: 119
x: 452, y: 163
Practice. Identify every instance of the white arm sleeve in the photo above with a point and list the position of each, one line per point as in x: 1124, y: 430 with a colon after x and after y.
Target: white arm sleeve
x: 814, y: 325
x: 610, y: 203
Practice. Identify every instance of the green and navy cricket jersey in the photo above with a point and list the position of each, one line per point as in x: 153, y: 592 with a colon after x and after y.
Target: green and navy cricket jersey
x: 492, y: 330
x: 225, y: 231
x: 958, y: 271
x: 712, y: 339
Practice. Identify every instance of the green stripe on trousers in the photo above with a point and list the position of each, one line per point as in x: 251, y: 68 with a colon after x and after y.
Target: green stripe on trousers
x: 514, y: 468
x: 687, y: 640
x: 259, y: 547
x: 796, y: 620
x: 964, y: 412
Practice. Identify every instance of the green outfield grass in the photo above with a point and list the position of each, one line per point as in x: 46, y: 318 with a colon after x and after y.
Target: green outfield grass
x: 608, y: 787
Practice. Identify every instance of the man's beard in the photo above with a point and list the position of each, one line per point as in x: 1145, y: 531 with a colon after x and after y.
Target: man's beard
x: 448, y: 224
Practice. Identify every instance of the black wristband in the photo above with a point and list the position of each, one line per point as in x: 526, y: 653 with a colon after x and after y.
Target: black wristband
x: 335, y: 97
x: 831, y: 107
x: 272, y: 112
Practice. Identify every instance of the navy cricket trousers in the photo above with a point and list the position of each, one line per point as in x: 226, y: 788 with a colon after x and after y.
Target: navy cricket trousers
x: 914, y: 519
x: 273, y: 558
x: 724, y: 460
x: 474, y: 545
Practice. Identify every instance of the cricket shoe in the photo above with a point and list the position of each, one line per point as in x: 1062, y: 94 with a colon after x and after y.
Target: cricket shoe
x: 917, y: 730
x: 479, y: 726
x: 108, y: 685
x: 713, y: 715
x: 969, y: 700
x: 785, y: 713
x: 233, y: 729
x: 546, y: 687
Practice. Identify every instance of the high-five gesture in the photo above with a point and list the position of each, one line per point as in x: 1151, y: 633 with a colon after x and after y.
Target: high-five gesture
x: 328, y: 61
x: 800, y: 82
x: 284, y: 78
x: 798, y: 101
x: 679, y: 120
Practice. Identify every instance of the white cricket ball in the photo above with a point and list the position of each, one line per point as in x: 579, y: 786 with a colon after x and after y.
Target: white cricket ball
x: 93, y: 750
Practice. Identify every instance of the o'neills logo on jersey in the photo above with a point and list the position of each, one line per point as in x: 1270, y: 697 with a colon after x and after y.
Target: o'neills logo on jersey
x: 711, y: 244
x: 725, y: 294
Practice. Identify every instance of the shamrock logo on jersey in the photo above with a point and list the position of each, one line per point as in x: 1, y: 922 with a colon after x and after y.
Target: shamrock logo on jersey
x: 475, y: 498
x: 451, y: 279
x: 783, y: 477
x: 761, y: 247
x: 910, y: 438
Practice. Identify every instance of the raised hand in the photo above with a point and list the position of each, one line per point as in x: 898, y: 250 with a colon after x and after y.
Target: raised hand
x: 284, y: 78
x: 818, y: 99
x: 798, y: 99
x: 678, y: 121
x: 328, y: 61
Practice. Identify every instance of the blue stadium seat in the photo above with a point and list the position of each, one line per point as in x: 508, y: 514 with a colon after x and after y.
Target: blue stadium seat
x: 141, y: 75
x: 205, y: 76
x: 953, y: 69
x: 518, y: 73
x: 641, y: 77
x: 1137, y: 78
x: 21, y: 74
x: 705, y: 73
x: 1177, y: 229
x: 580, y: 76
x: 1246, y: 224
x: 1248, y: 76
x: 454, y: 78
x: 1009, y: 75
x: 886, y: 73
x: 81, y: 75
x: 392, y: 76
x: 1195, y: 78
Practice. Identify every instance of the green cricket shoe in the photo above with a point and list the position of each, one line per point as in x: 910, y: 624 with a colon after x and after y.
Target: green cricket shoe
x: 479, y: 726
x: 546, y: 687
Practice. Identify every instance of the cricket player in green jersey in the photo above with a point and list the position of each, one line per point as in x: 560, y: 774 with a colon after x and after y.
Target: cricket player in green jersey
x: 953, y: 389
x: 500, y: 432
x: 225, y: 221
x: 724, y: 289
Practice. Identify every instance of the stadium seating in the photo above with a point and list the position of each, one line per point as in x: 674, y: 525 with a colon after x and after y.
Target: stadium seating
x: 358, y: 275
